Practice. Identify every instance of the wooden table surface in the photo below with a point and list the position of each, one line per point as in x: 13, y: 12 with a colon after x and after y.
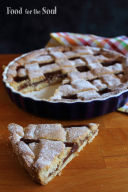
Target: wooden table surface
x: 101, y: 167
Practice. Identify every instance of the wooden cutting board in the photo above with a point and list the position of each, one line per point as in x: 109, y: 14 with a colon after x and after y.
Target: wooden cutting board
x: 101, y: 167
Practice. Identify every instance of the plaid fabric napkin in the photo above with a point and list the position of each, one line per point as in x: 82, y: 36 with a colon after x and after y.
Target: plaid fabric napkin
x: 119, y: 44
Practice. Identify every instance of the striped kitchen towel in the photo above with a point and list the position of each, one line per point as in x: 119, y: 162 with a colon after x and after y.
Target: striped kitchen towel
x: 119, y: 44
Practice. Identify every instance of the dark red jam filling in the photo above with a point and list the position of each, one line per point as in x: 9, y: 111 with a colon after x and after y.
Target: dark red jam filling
x: 97, y: 54
x: 74, y: 58
x: 27, y: 141
x: 109, y: 63
x: 91, y: 81
x: 74, y: 148
x: 101, y: 92
x: 83, y: 68
x: 43, y: 64
x: 51, y: 78
x: 19, y: 79
x: 20, y: 67
x: 54, y: 77
x: 29, y: 84
x: 70, y: 97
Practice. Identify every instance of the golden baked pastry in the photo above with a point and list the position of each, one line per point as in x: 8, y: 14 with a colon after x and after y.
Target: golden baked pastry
x: 82, y: 72
x: 45, y: 149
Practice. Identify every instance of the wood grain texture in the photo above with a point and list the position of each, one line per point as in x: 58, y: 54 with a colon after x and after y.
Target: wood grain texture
x: 101, y: 167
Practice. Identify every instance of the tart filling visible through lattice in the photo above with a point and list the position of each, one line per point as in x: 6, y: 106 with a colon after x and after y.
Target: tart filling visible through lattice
x: 45, y: 149
x: 79, y: 73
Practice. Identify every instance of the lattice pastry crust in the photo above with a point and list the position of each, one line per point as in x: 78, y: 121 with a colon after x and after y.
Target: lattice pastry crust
x: 79, y: 70
x: 45, y: 149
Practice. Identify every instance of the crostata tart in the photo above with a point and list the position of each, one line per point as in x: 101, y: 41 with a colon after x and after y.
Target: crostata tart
x: 45, y: 149
x: 80, y: 73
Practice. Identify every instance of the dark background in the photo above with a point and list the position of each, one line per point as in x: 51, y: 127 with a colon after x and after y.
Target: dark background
x: 22, y: 33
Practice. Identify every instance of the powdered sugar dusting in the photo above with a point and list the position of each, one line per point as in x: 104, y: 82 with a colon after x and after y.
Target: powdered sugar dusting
x: 81, y: 84
x: 48, y: 152
x: 90, y: 94
x: 42, y: 157
x: 74, y: 133
x: 29, y: 131
x: 49, y: 68
x: 45, y: 131
x: 50, y: 131
x: 32, y: 66
x: 14, y: 128
x: 43, y: 59
x: 24, y: 149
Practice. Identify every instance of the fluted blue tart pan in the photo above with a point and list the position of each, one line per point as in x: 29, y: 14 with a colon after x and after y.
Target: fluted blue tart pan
x: 64, y: 110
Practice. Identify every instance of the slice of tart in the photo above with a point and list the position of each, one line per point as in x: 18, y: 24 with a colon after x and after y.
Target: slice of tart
x: 45, y: 149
